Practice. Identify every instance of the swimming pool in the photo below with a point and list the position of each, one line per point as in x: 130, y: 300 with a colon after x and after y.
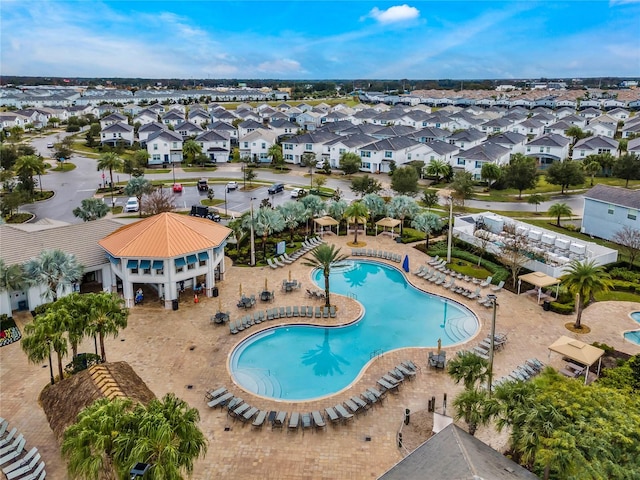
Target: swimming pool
x: 302, y: 362
x: 634, y: 335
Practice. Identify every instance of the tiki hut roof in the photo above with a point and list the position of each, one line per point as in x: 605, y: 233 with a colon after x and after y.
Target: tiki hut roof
x: 63, y: 401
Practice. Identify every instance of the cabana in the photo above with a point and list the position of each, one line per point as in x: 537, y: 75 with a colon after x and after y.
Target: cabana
x: 326, y: 221
x: 361, y: 223
x: 581, y: 352
x: 387, y: 222
x: 539, y: 280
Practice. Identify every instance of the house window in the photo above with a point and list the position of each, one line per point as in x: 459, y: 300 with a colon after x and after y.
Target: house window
x: 264, y: 145
x: 174, y: 145
x: 409, y: 156
x: 308, y: 146
x: 478, y: 164
x: 610, y: 210
x: 461, y: 161
x: 541, y: 149
x: 632, y: 214
x: 366, y: 165
x: 548, y: 149
x: 388, y: 154
x: 365, y: 154
x: 246, y: 144
x: 582, y: 152
x: 528, y: 149
x: 288, y: 156
x: 191, y: 266
x: 342, y: 150
x: 288, y: 146
x: 155, y: 146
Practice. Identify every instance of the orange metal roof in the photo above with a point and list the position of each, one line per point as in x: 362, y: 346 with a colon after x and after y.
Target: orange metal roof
x: 165, y: 235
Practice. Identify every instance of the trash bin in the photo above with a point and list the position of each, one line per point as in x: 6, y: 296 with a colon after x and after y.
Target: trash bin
x: 546, y: 305
x: 175, y: 304
x: 214, y: 291
x: 398, y: 239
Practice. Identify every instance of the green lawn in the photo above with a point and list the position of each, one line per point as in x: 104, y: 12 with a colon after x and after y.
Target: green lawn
x: 64, y: 167
x: 612, y: 295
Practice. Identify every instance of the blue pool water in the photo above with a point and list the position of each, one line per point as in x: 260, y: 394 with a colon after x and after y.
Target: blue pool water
x: 635, y: 335
x: 301, y: 362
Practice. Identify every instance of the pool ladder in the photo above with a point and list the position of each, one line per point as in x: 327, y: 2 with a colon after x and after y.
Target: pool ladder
x: 352, y: 295
x: 376, y: 353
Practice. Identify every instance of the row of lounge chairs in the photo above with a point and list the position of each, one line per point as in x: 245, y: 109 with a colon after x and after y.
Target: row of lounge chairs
x: 440, y: 264
x: 340, y: 413
x: 275, y: 313
x: 484, y: 347
x: 16, y: 462
x: 367, y: 252
x: 522, y: 373
x: 286, y: 259
x: 440, y: 278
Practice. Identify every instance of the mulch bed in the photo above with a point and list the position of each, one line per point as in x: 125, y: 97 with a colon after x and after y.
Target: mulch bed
x: 9, y: 332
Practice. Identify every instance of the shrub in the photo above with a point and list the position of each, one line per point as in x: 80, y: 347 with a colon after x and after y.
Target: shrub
x: 562, y: 308
x: 623, y: 274
x: 623, y: 285
x: 604, y: 346
x: 498, y: 272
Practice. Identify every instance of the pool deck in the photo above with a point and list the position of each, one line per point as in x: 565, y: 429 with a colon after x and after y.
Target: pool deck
x: 158, y: 345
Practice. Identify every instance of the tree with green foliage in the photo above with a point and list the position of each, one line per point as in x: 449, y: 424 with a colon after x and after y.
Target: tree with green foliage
x: 71, y: 312
x: 585, y: 279
x: 405, y: 180
x: 40, y: 336
x: 350, y: 163
x: 293, y: 214
x: 335, y: 209
x: 106, y: 316
x: 430, y: 198
x: 26, y: 168
x: 110, y: 161
x: 365, y: 185
x: 521, y: 173
x: 191, y: 149
x: 138, y: 187
x: 12, y: 277
x: 462, y: 186
x: 313, y: 205
x: 16, y: 133
x: 468, y: 368
x: 267, y: 222
x: 536, y: 199
x: 428, y: 223
x: 356, y: 211
x: 277, y: 158
x: 324, y: 258
x: 438, y: 169
x: 403, y: 207
x: 470, y: 406
x: 592, y: 168
x: 53, y: 269
x: 565, y: 174
x: 627, y: 167
x: 559, y: 210
x: 91, y: 209
x: 375, y: 206
x: 135, y: 165
x: 576, y: 134
x: 490, y: 173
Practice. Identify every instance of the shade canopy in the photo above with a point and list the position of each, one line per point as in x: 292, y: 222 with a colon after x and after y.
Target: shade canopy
x: 388, y: 222
x: 579, y: 351
x: 539, y: 279
x: 326, y: 221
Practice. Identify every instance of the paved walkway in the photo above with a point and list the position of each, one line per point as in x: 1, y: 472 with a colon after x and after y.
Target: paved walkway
x: 172, y: 350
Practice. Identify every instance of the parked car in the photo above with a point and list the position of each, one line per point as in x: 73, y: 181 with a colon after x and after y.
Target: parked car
x: 276, y: 188
x: 232, y: 185
x: 203, y: 186
x: 320, y: 164
x: 132, y: 205
x: 50, y: 145
x: 177, y: 188
x: 298, y: 192
x: 205, y: 212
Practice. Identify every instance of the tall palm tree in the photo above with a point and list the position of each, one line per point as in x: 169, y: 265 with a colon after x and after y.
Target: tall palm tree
x: 437, y: 168
x: 375, y: 205
x: 558, y: 210
x: 336, y: 209
x: 426, y: 222
x: 468, y: 368
x: 313, y: 205
x: 293, y: 214
x: 585, y: 279
x: 107, y: 315
x: 53, y: 268
x: 40, y: 336
x: 402, y: 207
x: 324, y: 258
x: 275, y: 152
x: 11, y: 277
x: 26, y: 167
x: 109, y: 161
x: 471, y: 405
x: 268, y: 221
x: 592, y: 168
x: 191, y: 148
x: 356, y: 210
x: 72, y: 312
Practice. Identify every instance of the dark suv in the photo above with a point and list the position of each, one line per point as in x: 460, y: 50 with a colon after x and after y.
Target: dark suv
x: 276, y: 188
x: 205, y: 212
x: 203, y: 186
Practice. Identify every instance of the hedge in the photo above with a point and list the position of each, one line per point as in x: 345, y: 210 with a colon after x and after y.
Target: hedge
x: 498, y: 272
x: 561, y: 308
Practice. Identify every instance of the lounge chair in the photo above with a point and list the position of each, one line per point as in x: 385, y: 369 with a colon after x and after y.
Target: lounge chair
x: 391, y: 379
x: 360, y: 403
x: 332, y: 415
x: 426, y: 272
x: 22, y: 461
x: 278, y: 262
x: 215, y: 393
x: 271, y: 263
x: 234, y: 403
x: 279, y: 420
x: 238, y: 410
x: 270, y: 313
x: 498, y: 287
x: 325, y: 312
x: 473, y: 295
x: 369, y: 253
x: 376, y: 392
x: 392, y: 387
x: 256, y: 318
x: 318, y: 419
x: 435, y: 260
x: 410, y: 365
x: 332, y: 311
x: 288, y: 258
x: 282, y: 312
x: 233, y: 327
x: 420, y: 270
x: 480, y: 353
x: 3, y: 426
x: 289, y: 312
x: 441, y: 280
x: 249, y: 414
x: 535, y: 363
x: 26, y: 469
x: 410, y: 374
x: 346, y: 416
x: 487, y: 282
x: 13, y: 450
x: 296, y: 311
x: 307, y: 422
x: 6, y: 440
x: 294, y: 421
x: 369, y: 397
x: 318, y: 312
x: 397, y: 373
x: 309, y: 311
x: 258, y: 422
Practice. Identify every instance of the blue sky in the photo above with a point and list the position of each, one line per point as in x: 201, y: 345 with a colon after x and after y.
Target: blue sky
x: 307, y: 39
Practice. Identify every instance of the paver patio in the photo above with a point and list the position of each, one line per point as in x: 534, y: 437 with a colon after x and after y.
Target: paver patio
x: 182, y: 352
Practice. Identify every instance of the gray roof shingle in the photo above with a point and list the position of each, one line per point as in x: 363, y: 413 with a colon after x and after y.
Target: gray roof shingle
x: 615, y: 195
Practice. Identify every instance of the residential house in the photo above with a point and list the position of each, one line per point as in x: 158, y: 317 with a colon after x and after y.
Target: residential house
x: 604, y: 126
x: 529, y: 127
x: 564, y: 112
x: 117, y: 133
x: 559, y: 128
x: 430, y: 134
x: 590, y: 112
x: 9, y: 120
x: 223, y: 115
x: 545, y: 118
x: 188, y: 130
x: 377, y: 157
x: 246, y: 114
x: 173, y: 118
x: 283, y: 127
x: 442, y: 151
x: 256, y: 144
x: 111, y: 119
x: 466, y: 139
x: 390, y: 117
x: 364, y: 116
x: 392, y: 131
x: 145, y: 117
x: 216, y: 145
x: 619, y: 114
x: 465, y: 120
x: 497, y: 125
x: 346, y: 144
x: 548, y: 148
x: 199, y: 117
x: 631, y: 128
x: 608, y: 209
x: 146, y: 130
x: 594, y: 146
x: 611, y: 103
x: 248, y: 126
x: 472, y: 159
x: 310, y: 120
x: 164, y: 148
x: 633, y: 146
x: 227, y: 128
x: 515, y: 142
x: 312, y: 142
x: 439, y: 120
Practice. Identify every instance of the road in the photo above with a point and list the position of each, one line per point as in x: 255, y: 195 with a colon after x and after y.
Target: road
x: 576, y: 202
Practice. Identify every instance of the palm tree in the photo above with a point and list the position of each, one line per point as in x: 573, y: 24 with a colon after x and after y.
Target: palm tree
x: 313, y: 205
x: 536, y: 199
x: 402, y: 207
x: 89, y: 445
x: 275, y: 152
x: 11, y: 277
x: 191, y: 148
x: 40, y: 336
x: 558, y: 210
x: 268, y: 221
x: 138, y: 187
x: 356, y: 210
x: 292, y: 213
x: 53, y: 268
x: 107, y: 315
x: 471, y: 405
x: 324, y: 258
x: 375, y: 205
x: 110, y: 161
x: 592, y: 168
x: 468, y: 368
x: 426, y: 222
x: 72, y: 313
x: 437, y: 168
x: 336, y: 209
x: 26, y: 167
x: 585, y: 279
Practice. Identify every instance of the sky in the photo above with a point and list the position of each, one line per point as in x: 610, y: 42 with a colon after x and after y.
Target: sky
x: 306, y: 39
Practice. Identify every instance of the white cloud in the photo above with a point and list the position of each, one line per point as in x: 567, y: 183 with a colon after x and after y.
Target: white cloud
x: 283, y: 65
x: 398, y: 13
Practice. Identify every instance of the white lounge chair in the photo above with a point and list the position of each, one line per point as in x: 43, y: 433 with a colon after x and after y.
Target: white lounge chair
x: 285, y: 259
x: 279, y: 262
x: 487, y: 282
x: 271, y: 263
x: 498, y: 287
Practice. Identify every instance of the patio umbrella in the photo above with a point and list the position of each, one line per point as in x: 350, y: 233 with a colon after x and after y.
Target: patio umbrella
x: 240, y: 290
x: 265, y: 283
x: 405, y: 263
x: 289, y: 275
x: 439, y: 345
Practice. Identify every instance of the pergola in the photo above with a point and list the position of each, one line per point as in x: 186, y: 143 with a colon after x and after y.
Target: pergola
x: 540, y: 280
x: 387, y: 222
x: 581, y: 352
x: 360, y: 221
x: 327, y: 221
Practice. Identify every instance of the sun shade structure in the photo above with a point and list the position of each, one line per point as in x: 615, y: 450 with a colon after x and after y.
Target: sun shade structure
x: 326, y: 221
x: 539, y: 280
x: 387, y: 222
x: 581, y: 352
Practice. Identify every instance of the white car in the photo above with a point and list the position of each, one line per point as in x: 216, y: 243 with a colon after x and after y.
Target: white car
x: 132, y: 205
x: 50, y: 145
x: 232, y: 185
x: 297, y: 192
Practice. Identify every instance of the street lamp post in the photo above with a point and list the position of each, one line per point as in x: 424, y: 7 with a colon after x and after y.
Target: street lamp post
x: 226, y: 190
x: 450, y: 229
x: 173, y: 166
x: 493, y: 299
x: 253, y: 241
